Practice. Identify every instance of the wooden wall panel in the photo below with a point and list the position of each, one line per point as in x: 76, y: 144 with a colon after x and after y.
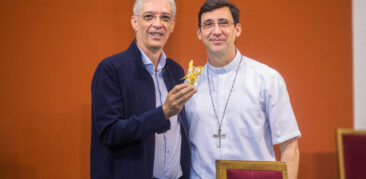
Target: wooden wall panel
x: 49, y: 50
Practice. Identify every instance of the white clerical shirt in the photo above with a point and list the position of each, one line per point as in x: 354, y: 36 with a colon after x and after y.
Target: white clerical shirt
x: 258, y: 115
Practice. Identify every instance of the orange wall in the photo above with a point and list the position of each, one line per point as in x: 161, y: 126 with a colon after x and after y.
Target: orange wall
x: 49, y: 50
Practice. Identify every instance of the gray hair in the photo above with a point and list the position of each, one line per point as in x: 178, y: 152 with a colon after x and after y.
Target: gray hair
x: 138, y: 3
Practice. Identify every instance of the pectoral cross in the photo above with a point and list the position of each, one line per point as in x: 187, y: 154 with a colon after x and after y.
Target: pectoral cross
x: 219, y: 136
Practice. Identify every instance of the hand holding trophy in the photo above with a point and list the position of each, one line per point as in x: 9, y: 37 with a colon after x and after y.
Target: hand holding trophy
x: 192, y: 74
x: 181, y: 93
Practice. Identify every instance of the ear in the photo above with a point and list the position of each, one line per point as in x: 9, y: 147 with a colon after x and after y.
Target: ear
x: 199, y: 33
x: 238, y: 29
x: 134, y: 22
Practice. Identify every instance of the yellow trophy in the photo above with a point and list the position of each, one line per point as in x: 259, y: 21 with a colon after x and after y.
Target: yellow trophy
x: 193, y: 73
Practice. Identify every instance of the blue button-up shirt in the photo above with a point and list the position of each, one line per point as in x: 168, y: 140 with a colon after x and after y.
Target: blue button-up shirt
x: 168, y: 144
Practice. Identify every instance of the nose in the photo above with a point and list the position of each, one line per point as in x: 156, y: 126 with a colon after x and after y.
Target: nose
x: 157, y: 22
x: 216, y: 30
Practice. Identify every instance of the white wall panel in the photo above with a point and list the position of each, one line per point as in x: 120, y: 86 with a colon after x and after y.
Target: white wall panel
x: 359, y: 63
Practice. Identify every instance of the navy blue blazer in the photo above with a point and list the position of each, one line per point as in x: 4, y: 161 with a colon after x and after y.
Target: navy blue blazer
x: 125, y: 117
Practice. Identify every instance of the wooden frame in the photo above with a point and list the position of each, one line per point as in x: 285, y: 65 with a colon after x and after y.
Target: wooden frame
x: 223, y: 165
x: 340, y: 133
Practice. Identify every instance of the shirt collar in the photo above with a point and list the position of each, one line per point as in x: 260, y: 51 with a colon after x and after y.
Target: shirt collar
x: 230, y: 66
x: 148, y: 63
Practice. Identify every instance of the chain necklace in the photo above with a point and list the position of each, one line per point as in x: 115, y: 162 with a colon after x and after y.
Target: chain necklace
x: 219, y: 135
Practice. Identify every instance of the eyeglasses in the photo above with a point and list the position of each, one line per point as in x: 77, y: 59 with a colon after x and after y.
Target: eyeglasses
x: 151, y: 17
x: 223, y: 23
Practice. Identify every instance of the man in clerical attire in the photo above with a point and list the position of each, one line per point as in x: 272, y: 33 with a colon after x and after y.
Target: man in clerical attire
x: 242, y: 107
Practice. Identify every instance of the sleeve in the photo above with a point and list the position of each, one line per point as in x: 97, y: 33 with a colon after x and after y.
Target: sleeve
x: 108, y: 118
x: 279, y: 111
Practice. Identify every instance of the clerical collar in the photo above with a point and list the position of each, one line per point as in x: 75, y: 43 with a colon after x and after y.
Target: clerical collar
x: 229, y: 67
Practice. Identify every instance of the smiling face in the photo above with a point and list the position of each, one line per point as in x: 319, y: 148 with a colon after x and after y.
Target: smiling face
x: 153, y: 24
x: 219, y: 40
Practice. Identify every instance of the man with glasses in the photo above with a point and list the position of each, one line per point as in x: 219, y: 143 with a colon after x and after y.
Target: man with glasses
x: 242, y: 107
x: 138, y: 129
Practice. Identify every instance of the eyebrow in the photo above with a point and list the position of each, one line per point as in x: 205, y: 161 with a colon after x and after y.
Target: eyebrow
x: 151, y: 12
x: 210, y: 20
x: 223, y: 19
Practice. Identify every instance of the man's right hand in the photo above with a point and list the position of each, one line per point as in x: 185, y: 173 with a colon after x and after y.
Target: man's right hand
x: 176, y: 99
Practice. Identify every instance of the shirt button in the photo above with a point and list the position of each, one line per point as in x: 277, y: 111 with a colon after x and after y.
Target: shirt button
x: 168, y: 152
